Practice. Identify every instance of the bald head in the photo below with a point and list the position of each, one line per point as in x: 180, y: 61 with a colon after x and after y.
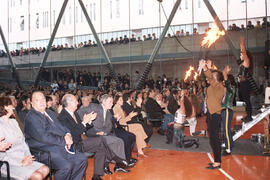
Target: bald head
x: 39, y: 101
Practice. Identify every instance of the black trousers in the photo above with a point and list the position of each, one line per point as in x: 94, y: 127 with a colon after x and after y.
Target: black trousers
x: 244, y: 94
x: 213, y: 124
x: 128, y: 138
x: 67, y: 166
x: 102, y: 152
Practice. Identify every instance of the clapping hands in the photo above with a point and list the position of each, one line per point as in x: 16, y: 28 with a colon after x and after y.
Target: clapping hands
x: 87, y: 118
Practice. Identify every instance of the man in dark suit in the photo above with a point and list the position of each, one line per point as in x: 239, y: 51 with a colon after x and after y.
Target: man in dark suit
x: 93, y: 144
x: 43, y: 131
x: 154, y: 110
x: 103, y: 125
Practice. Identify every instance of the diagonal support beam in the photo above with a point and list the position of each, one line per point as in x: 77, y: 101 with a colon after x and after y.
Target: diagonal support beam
x: 101, y: 47
x: 13, y: 66
x: 157, y: 46
x: 227, y: 38
x: 45, y: 57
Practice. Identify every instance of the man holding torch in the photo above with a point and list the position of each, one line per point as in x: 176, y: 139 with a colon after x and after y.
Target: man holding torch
x: 215, y: 93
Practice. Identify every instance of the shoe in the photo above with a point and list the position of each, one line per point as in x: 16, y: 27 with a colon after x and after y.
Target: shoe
x: 196, y: 145
x: 107, y: 170
x: 225, y: 153
x: 96, y: 177
x: 247, y: 119
x: 161, y: 132
x: 127, y: 164
x: 119, y: 169
x: 196, y: 133
x: 132, y: 160
x: 213, y: 167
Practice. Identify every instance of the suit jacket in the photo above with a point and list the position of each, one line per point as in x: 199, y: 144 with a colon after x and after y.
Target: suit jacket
x: 153, y: 109
x: 99, y: 123
x: 40, y: 132
x: 76, y: 129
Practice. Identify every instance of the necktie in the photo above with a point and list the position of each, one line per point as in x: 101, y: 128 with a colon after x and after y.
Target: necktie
x: 48, y: 118
x: 104, y: 115
x: 75, y: 119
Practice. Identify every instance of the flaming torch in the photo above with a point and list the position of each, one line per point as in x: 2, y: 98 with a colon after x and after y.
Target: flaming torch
x: 188, y: 72
x: 211, y: 36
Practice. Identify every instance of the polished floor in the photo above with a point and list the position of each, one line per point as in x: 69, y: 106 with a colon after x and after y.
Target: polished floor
x: 174, y: 165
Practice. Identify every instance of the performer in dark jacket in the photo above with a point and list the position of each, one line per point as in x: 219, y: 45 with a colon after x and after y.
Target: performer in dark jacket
x: 245, y: 72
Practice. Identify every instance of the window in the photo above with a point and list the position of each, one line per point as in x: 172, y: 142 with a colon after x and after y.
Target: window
x: 82, y: 15
x: 94, y: 12
x: 53, y: 17
x: 76, y: 14
x: 141, y: 11
x: 199, y: 4
x: 10, y: 24
x: 117, y: 8
x: 12, y: 3
x: 186, y: 4
x: 37, y: 20
x: 22, y: 23
x: 64, y: 18
x: 111, y: 9
x: 69, y: 15
x: 46, y: 19
x: 91, y: 11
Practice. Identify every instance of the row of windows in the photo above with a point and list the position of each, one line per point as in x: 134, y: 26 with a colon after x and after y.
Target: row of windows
x: 91, y: 9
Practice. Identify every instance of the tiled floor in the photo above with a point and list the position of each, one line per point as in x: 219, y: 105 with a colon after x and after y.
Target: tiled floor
x: 174, y: 165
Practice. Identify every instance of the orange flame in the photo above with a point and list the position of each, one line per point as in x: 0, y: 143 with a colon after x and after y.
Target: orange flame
x: 212, y: 35
x: 195, y: 75
x: 214, y: 67
x: 188, y: 72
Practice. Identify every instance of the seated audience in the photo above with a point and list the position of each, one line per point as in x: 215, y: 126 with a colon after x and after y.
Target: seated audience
x: 92, y: 144
x: 155, y: 111
x: 136, y: 129
x: 43, y: 131
x: 17, y: 152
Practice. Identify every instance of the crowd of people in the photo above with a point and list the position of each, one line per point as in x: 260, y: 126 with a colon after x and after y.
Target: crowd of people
x: 125, y: 39
x: 110, y: 121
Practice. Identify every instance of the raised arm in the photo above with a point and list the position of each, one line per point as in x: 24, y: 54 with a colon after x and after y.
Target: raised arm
x: 244, y: 56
